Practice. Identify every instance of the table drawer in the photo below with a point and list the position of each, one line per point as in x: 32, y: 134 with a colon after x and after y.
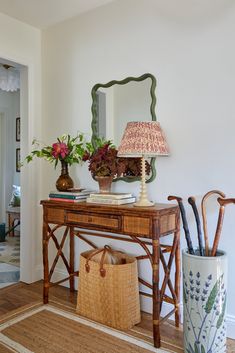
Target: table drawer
x: 137, y: 225
x: 167, y: 223
x: 55, y: 215
x: 94, y: 220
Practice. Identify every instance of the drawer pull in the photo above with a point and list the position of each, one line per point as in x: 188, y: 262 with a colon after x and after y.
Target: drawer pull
x: 89, y: 219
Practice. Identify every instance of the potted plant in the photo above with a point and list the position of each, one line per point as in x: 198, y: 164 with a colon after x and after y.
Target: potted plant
x: 103, y: 163
x: 67, y: 150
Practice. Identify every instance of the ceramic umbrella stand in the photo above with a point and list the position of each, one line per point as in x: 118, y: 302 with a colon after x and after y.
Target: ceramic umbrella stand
x: 204, y: 300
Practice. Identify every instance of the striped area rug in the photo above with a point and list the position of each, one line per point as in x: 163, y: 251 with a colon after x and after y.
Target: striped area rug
x: 48, y: 329
x: 9, y: 261
x: 10, y: 251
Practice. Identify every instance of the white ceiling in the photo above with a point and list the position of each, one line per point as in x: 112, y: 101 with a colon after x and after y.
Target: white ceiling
x: 45, y: 13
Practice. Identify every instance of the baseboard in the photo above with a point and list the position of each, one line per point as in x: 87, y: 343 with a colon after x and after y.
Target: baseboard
x: 146, y: 303
x: 38, y: 273
x: 58, y: 275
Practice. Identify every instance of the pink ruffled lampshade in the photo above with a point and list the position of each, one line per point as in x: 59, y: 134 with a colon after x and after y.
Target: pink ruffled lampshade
x: 143, y: 139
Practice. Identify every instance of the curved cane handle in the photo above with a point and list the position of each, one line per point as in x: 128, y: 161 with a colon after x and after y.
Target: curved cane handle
x: 224, y: 202
x: 170, y: 198
x: 205, y: 197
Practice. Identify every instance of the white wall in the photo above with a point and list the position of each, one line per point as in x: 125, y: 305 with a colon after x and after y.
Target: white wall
x: 21, y: 43
x: 10, y: 107
x: 189, y: 47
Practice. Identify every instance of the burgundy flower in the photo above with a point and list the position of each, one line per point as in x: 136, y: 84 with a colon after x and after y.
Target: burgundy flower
x: 86, y: 156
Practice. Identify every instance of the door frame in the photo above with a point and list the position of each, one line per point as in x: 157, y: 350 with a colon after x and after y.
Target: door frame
x: 29, y: 176
x: 3, y: 162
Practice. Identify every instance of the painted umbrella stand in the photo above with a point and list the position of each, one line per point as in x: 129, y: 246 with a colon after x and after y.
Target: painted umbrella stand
x: 204, y: 282
x: 204, y: 300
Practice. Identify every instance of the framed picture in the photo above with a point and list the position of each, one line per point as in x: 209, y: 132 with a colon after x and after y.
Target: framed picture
x: 17, y: 129
x: 18, y: 160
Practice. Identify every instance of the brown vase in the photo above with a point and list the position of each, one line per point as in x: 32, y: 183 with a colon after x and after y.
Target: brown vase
x: 64, y: 182
x: 105, y: 183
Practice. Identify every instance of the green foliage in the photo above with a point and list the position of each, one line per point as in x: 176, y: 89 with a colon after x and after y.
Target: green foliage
x: 66, y: 148
x: 211, y: 299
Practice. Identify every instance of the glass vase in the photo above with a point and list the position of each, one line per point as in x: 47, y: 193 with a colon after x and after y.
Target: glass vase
x: 64, y: 182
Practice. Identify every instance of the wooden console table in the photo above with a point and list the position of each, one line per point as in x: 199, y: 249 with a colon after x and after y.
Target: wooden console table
x: 144, y: 226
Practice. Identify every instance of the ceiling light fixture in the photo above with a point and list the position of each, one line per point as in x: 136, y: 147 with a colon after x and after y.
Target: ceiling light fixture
x: 9, y: 78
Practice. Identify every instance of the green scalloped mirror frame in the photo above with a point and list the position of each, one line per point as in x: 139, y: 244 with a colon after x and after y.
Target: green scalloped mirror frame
x: 94, y: 110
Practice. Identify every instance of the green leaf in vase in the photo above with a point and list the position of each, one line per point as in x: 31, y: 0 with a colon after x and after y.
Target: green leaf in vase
x: 211, y: 299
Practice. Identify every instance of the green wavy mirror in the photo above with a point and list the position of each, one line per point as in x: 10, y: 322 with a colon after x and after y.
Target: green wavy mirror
x: 116, y: 103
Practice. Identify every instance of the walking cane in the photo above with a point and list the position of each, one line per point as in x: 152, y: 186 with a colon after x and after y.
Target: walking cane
x: 205, y: 197
x: 223, y: 203
x: 192, y: 202
x: 185, y: 223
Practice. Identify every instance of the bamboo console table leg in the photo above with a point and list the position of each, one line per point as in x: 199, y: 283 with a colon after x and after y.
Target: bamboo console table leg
x: 156, y: 291
x: 45, y: 263
x: 71, y: 262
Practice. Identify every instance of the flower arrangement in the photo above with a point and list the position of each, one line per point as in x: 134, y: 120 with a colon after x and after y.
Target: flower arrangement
x: 103, y: 160
x: 66, y: 149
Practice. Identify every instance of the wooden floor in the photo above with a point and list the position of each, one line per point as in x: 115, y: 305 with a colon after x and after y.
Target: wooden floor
x: 22, y: 295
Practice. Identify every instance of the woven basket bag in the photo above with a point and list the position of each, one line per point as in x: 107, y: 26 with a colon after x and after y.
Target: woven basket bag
x: 109, y: 293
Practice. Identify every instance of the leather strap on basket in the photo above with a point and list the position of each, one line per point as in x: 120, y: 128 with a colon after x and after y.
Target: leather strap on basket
x: 87, y: 266
x: 104, y: 250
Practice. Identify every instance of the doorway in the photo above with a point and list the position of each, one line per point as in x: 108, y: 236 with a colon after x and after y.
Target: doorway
x: 10, y: 173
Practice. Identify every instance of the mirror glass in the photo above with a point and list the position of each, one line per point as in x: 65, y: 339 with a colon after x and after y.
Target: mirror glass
x: 116, y: 103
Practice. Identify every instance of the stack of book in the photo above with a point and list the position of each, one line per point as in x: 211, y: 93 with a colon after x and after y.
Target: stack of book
x: 114, y: 198
x: 70, y: 196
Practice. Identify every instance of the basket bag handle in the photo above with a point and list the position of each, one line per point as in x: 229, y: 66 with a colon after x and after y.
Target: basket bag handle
x: 104, y: 250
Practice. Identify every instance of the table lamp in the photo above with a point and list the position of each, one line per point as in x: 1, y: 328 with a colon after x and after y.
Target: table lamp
x: 143, y: 139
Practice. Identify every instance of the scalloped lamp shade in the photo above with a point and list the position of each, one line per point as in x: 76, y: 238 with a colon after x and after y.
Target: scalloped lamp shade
x: 143, y: 139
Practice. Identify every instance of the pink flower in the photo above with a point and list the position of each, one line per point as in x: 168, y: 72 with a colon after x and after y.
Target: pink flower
x: 59, y: 150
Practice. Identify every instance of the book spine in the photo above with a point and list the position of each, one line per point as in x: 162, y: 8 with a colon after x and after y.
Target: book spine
x: 65, y: 200
x: 63, y: 196
x: 111, y: 197
x: 65, y: 193
x: 110, y: 201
